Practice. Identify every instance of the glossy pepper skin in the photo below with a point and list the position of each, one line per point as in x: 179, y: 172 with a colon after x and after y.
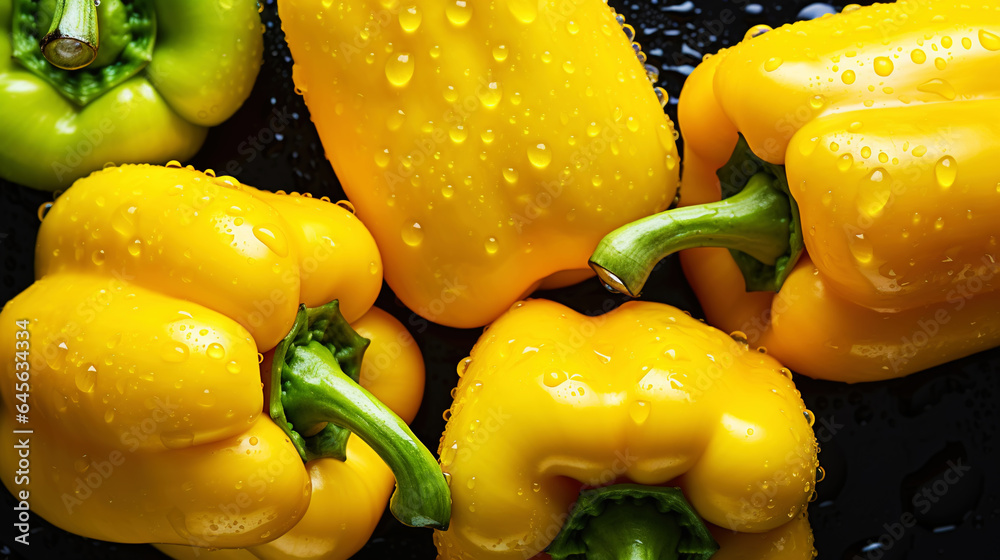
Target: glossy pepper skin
x: 157, y: 287
x: 877, y: 117
x: 165, y: 72
x: 348, y: 497
x: 488, y: 145
x: 551, y: 401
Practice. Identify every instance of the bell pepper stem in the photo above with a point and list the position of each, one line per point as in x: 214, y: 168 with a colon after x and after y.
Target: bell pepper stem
x: 72, y: 41
x: 632, y: 532
x: 754, y: 221
x: 633, y: 522
x: 315, y: 392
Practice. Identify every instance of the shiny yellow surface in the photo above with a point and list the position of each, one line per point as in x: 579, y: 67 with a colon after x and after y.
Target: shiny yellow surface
x: 157, y: 287
x: 347, y: 497
x: 791, y: 541
x: 488, y: 145
x: 553, y: 400
x: 877, y: 115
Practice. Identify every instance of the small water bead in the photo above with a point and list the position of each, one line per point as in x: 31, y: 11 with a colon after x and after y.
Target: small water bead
x: 629, y: 32
x: 492, y: 245
x: 810, y: 418
x: 500, y: 53
x: 409, y: 19
x: 459, y: 12
x: 883, y: 66
x: 820, y: 474
x: 399, y: 69
x: 662, y: 96
x: 773, y: 64
x: 215, y: 351
x: 346, y: 205
x: 43, y: 210
x: 988, y: 40
x: 413, y: 234
x: 848, y: 77
x: 946, y: 170
x: 510, y: 175
x: 539, y: 156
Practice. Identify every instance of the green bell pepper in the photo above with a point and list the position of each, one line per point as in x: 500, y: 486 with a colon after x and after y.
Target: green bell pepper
x: 84, y: 84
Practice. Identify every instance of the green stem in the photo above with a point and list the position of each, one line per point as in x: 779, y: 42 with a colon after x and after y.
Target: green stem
x: 72, y: 40
x: 632, y: 532
x: 633, y: 522
x: 754, y: 221
x: 315, y: 391
x: 316, y: 399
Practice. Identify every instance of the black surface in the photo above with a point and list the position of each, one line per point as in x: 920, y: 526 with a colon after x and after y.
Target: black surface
x: 883, y: 444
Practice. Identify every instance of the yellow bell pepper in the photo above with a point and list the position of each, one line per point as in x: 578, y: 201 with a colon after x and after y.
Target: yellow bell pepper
x: 347, y: 497
x: 489, y: 147
x: 866, y: 129
x: 551, y: 402
x: 157, y: 287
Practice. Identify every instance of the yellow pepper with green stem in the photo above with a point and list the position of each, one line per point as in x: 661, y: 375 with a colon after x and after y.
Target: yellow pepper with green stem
x: 552, y: 402
x: 348, y: 497
x: 157, y: 288
x: 489, y: 145
x: 858, y: 143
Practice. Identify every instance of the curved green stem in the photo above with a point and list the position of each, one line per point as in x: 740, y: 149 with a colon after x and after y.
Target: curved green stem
x: 311, y: 396
x: 754, y: 221
x: 72, y: 40
x: 633, y: 522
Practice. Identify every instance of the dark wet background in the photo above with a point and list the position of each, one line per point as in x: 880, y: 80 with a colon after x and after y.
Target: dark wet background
x: 888, y: 448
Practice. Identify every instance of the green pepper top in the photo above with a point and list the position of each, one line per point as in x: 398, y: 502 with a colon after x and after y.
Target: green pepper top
x: 84, y: 84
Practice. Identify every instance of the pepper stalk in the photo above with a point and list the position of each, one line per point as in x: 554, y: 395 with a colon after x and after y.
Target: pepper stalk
x: 72, y: 40
x: 316, y: 399
x: 633, y: 522
x: 757, y: 220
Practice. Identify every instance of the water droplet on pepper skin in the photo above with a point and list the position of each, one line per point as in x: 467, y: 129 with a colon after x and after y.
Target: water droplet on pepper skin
x: 946, y: 170
x: 413, y: 235
x: 399, y: 69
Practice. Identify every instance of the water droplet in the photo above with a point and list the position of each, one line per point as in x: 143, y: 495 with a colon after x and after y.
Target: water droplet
x: 458, y: 12
x: 409, y: 19
x: 447, y: 191
x: 463, y: 366
x: 919, y: 151
x: 820, y: 474
x: 866, y: 152
x: 875, y: 195
x: 173, y: 164
x: 86, y: 376
x: 593, y: 129
x: 458, y: 134
x: 272, y: 238
x: 510, y: 175
x: 639, y: 411
x: 216, y: 351
x: 629, y: 31
x: 939, y: 87
x: 98, y: 257
x: 399, y: 69
x: 817, y: 101
x: 883, y: 66
x: 662, y: 96
x: 174, y: 352
x: 43, y: 209
x: 988, y: 40
x: 413, y: 234
x: 940, y: 63
x: 233, y: 367
x: 939, y: 224
x: 740, y: 337
x: 946, y: 170
x: 810, y: 417
x: 773, y: 64
x: 500, y: 53
x: 572, y: 27
x: 135, y: 248
x: 492, y: 245
x: 568, y: 67
x: 490, y: 95
x: 553, y: 378
x: 535, y: 487
x: 861, y: 248
x: 539, y: 156
x: 848, y: 77
x: 845, y: 162
x: 786, y: 372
